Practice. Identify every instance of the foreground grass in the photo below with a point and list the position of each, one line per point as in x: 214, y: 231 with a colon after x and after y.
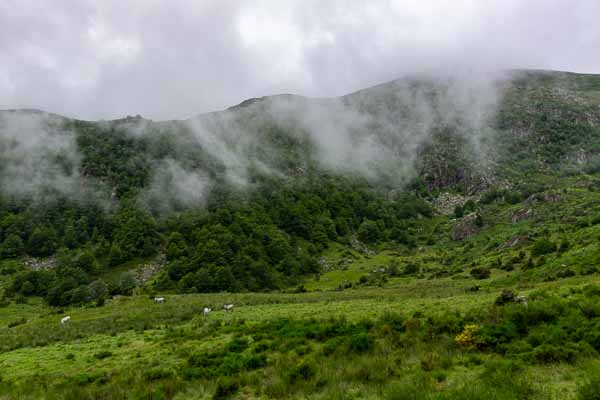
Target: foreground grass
x: 365, y: 343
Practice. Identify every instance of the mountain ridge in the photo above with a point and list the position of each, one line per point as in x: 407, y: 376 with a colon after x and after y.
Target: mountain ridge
x: 519, y: 71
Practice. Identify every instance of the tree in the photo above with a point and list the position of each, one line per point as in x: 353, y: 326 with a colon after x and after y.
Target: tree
x: 98, y: 291
x: 136, y: 233
x: 115, y: 255
x: 12, y: 247
x: 70, y: 237
x: 42, y: 242
x: 176, y: 246
x: 542, y: 246
x: 458, y: 211
x: 369, y: 232
x: 80, y: 295
x: 126, y: 283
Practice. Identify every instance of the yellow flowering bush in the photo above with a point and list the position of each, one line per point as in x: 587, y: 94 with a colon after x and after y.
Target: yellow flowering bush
x: 467, y: 337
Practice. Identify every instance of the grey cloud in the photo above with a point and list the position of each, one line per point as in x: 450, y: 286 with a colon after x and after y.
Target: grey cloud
x: 164, y: 60
x: 37, y: 155
x: 173, y: 188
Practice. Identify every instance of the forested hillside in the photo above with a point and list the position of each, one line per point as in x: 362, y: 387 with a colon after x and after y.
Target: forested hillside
x: 421, y: 239
x: 250, y: 198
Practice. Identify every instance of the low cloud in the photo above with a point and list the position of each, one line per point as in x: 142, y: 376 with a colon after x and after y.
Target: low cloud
x: 37, y: 156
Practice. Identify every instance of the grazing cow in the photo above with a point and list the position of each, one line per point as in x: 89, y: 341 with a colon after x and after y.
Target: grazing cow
x: 206, y: 311
x: 159, y: 299
x: 228, y: 307
x: 65, y: 319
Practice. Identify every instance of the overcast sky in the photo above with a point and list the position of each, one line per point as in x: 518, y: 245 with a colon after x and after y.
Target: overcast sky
x: 174, y: 59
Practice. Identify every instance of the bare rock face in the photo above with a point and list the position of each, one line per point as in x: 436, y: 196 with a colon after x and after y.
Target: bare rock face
x: 361, y: 247
x: 516, y: 241
x: 551, y: 197
x: 467, y: 226
x: 521, y: 215
x: 148, y: 270
x: 40, y: 263
x: 447, y: 202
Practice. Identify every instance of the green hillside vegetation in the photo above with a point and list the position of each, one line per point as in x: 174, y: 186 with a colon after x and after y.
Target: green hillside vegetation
x: 473, y: 276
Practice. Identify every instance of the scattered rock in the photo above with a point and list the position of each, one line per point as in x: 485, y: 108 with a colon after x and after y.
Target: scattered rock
x: 40, y: 263
x: 466, y: 226
x: 361, y: 247
x: 521, y: 215
x: 515, y: 241
x: 445, y: 203
x: 146, y: 271
x: 508, y: 296
x: 551, y: 197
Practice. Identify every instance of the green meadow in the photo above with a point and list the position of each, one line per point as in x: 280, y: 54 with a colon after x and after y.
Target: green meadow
x: 395, y: 342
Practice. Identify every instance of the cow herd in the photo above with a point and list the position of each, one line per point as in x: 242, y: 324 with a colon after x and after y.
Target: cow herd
x: 205, y: 311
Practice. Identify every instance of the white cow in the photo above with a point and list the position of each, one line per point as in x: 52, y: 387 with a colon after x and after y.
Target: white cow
x: 228, y: 307
x: 159, y: 299
x: 65, y: 319
x: 206, y: 311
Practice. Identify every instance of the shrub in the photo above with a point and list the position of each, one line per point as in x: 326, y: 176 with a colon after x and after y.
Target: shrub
x: 255, y: 362
x: 237, y: 345
x: 590, y: 389
x: 103, y: 354
x: 226, y: 387
x: 507, y: 296
x: 542, y: 246
x: 229, y: 365
x: 17, y: 322
x: 548, y: 353
x: 156, y: 374
x: 512, y: 197
x: 480, y: 273
x: 20, y: 298
x: 332, y: 345
x: 360, y: 343
x: 468, y: 336
x: 565, y: 273
x: 563, y: 246
x: 190, y: 373
x: 302, y: 371
x: 369, y: 232
x: 430, y: 362
x: 411, y: 268
x: 458, y: 211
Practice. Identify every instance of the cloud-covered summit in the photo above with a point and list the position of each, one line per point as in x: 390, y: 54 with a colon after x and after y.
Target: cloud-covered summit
x: 165, y: 60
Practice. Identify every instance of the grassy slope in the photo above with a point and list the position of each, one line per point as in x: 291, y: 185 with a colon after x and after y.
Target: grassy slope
x: 143, y: 336
x: 151, y: 335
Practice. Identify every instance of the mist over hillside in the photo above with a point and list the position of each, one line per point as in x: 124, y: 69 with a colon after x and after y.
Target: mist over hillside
x: 447, y: 131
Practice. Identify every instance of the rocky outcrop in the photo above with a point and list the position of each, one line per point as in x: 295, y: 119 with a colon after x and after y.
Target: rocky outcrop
x: 515, y: 241
x: 146, y: 271
x: 447, y: 202
x: 40, y: 263
x: 551, y: 197
x: 467, y: 226
x: 521, y: 215
x: 361, y: 247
